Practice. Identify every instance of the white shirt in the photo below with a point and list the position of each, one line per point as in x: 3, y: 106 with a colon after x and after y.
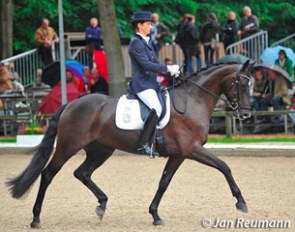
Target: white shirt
x: 146, y: 38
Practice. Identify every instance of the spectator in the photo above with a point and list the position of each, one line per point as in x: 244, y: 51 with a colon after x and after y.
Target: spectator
x: 5, y: 82
x: 180, y: 40
x: 260, y: 93
x: 249, y: 25
x: 45, y: 36
x: 285, y: 63
x: 230, y: 29
x: 13, y: 74
x: 163, y: 79
x: 191, y: 40
x: 38, y: 79
x: 209, y: 36
x: 278, y: 95
x: 279, y: 91
x: 158, y: 33
x: 79, y: 84
x: 98, y: 83
x: 93, y: 39
x: 88, y: 77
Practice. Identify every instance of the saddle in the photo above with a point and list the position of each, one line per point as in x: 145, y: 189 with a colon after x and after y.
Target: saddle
x: 131, y: 112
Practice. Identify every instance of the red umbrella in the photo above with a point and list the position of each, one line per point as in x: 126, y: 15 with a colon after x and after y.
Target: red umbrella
x: 52, y: 101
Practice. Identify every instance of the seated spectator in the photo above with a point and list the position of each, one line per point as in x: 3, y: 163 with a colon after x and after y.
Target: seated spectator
x: 89, y: 77
x: 71, y: 78
x: 277, y: 95
x: 280, y: 95
x: 163, y: 79
x: 38, y: 79
x: 260, y: 92
x: 5, y: 82
x: 285, y: 63
x: 98, y: 83
x: 13, y: 74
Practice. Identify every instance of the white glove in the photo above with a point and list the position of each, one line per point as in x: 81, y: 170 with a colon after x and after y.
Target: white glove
x: 173, y: 70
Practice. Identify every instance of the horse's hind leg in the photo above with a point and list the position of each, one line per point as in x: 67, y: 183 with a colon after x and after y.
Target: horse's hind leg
x: 201, y: 155
x: 96, y: 155
x: 47, y: 175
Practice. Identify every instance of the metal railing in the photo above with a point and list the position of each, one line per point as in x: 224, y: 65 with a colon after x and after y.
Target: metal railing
x: 288, y: 41
x: 26, y: 64
x: 252, y: 46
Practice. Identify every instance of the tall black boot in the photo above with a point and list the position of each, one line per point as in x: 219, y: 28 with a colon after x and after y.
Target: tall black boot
x: 146, y: 137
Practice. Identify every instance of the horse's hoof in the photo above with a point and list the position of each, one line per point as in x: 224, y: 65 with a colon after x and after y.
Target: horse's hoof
x: 100, y: 212
x: 159, y: 222
x: 242, y: 207
x: 36, y: 225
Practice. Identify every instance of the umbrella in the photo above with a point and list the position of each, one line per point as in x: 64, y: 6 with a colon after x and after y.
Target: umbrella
x: 51, y: 73
x: 234, y: 58
x: 275, y: 68
x: 52, y: 101
x: 76, y: 68
x: 269, y: 55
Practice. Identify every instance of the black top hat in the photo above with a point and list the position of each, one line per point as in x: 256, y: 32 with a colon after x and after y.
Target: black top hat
x: 142, y: 16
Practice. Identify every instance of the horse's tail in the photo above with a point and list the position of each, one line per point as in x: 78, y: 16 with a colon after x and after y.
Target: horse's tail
x: 22, y: 183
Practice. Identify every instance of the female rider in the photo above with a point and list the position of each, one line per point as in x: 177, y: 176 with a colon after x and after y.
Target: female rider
x: 145, y: 67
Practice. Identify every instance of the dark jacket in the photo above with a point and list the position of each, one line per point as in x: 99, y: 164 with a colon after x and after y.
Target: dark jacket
x: 144, y: 66
x: 209, y: 31
x: 100, y: 86
x: 230, y: 30
x: 164, y: 31
x: 250, y: 22
x: 93, y: 37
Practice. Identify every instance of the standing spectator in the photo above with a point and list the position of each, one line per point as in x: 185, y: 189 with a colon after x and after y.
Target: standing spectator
x: 93, y: 37
x: 5, y: 82
x: 98, y: 83
x: 249, y: 25
x: 230, y: 29
x: 209, y: 36
x: 285, y: 63
x: 180, y: 39
x: 158, y: 33
x: 45, y: 36
x: 191, y: 40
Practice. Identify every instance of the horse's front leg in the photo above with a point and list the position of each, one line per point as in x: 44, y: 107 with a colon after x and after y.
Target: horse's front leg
x: 171, y: 167
x: 202, y: 155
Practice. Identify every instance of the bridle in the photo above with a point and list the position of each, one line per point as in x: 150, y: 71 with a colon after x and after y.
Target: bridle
x: 234, y: 104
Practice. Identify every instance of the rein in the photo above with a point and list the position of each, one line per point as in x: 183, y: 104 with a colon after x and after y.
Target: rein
x: 234, y: 105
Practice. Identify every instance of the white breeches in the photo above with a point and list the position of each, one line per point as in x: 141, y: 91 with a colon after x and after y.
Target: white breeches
x: 150, y: 98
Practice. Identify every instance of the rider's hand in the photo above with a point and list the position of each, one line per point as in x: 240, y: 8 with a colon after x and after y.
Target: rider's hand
x: 173, y: 70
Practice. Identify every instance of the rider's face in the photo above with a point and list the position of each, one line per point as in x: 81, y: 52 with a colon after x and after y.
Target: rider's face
x: 145, y: 28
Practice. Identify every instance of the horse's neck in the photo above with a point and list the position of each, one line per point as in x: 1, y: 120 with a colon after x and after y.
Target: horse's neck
x: 211, y: 85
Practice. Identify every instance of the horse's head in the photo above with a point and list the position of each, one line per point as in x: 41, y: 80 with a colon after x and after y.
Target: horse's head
x: 239, y: 93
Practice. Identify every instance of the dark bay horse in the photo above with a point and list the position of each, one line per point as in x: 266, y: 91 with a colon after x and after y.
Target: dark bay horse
x: 88, y: 123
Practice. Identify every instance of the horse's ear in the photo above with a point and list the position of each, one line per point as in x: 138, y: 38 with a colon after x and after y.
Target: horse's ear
x: 245, y: 65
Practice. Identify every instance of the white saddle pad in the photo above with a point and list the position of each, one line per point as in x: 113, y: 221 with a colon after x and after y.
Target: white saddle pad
x: 128, y: 114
